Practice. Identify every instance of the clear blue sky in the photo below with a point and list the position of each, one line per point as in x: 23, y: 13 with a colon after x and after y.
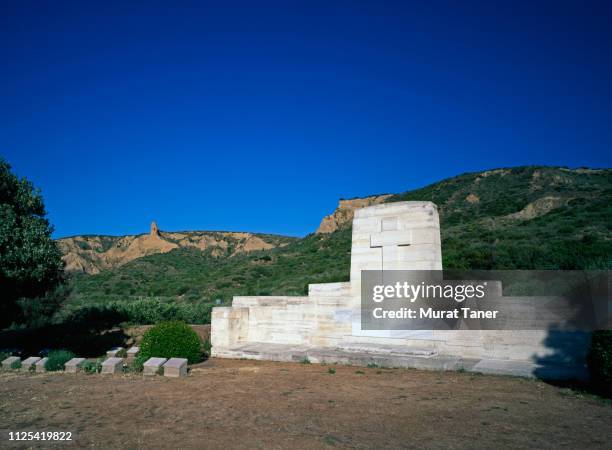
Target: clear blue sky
x: 259, y: 116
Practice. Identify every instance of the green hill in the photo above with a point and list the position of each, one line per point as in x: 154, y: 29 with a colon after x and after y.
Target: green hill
x: 516, y: 218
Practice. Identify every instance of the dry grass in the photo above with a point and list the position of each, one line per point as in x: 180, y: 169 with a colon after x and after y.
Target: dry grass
x: 246, y: 404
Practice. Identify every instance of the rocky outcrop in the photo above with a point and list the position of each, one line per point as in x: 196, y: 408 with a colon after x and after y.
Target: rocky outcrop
x: 93, y: 254
x: 343, y: 215
x: 472, y: 198
x: 538, y: 208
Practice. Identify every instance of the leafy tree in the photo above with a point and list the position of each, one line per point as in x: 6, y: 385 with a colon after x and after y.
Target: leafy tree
x: 31, y: 267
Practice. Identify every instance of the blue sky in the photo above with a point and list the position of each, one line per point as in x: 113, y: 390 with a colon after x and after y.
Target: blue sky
x: 259, y: 116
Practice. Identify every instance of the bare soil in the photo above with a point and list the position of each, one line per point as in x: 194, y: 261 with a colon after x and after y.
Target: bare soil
x: 246, y: 404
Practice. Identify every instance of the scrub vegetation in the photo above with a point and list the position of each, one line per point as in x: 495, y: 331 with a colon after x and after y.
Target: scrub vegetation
x: 519, y: 218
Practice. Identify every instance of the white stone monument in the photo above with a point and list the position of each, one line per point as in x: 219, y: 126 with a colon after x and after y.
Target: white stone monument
x: 325, y: 325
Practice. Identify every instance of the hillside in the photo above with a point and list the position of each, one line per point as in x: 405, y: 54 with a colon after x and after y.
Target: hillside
x: 517, y: 218
x: 93, y: 254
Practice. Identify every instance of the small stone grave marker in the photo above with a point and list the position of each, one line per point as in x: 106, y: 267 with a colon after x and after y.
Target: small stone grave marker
x: 27, y: 364
x: 112, y: 353
x: 74, y: 365
x: 8, y: 362
x: 175, y: 367
x: 152, y: 365
x: 40, y: 365
x: 132, y: 353
x: 112, y: 366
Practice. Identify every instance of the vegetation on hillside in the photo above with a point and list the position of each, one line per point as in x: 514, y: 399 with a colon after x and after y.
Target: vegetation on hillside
x: 189, y: 277
x: 484, y: 234
x: 480, y: 230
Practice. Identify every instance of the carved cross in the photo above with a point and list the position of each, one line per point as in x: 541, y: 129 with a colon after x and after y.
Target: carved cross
x: 388, y: 240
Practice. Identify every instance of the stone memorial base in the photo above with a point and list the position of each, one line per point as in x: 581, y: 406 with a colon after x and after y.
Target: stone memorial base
x: 175, y: 367
x: 153, y: 365
x: 393, y: 356
x: 113, y: 352
x: 112, y: 366
x: 131, y: 354
x: 27, y: 364
x: 74, y: 365
x: 40, y: 365
x: 8, y: 362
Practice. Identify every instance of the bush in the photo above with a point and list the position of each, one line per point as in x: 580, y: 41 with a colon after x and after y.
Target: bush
x: 57, y: 359
x: 90, y: 366
x: 171, y: 340
x: 137, y: 365
x: 4, y: 355
x: 600, y: 361
x: 16, y: 365
x: 144, y: 311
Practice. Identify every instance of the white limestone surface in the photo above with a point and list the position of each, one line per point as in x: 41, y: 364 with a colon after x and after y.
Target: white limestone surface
x: 389, y: 236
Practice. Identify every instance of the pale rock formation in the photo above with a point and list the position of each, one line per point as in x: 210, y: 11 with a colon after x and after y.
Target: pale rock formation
x: 92, y: 254
x: 472, y: 198
x: 344, y: 213
x: 538, y: 208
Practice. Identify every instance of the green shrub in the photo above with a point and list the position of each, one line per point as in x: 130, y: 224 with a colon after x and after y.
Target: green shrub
x: 57, y: 359
x: 331, y: 370
x: 171, y: 340
x: 151, y: 311
x: 4, y: 355
x: 93, y: 366
x: 600, y: 361
x: 137, y: 364
x: 16, y: 365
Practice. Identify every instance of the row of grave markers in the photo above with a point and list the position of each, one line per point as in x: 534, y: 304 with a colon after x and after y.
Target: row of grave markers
x: 173, y: 367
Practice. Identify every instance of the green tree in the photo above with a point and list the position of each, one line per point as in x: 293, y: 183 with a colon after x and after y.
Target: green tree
x: 31, y: 267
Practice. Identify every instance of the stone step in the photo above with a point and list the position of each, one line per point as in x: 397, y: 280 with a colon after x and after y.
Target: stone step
x: 387, y: 349
x: 287, y: 353
x: 417, y: 360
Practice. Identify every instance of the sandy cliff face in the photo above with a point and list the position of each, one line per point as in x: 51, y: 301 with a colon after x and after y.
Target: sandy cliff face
x: 92, y: 254
x: 343, y: 215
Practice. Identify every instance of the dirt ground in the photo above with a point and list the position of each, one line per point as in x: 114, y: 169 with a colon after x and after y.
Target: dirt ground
x: 245, y: 404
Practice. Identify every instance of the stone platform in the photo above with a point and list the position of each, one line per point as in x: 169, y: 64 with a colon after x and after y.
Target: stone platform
x: 397, y: 356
